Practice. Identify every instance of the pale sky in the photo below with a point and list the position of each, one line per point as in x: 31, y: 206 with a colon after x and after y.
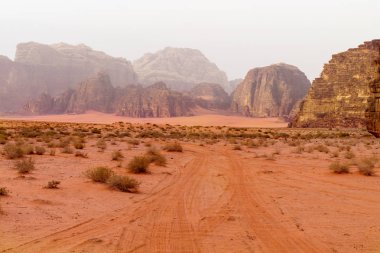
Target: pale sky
x: 237, y: 35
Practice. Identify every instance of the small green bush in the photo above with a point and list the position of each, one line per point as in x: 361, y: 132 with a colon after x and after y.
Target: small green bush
x: 53, y: 184
x: 13, y: 151
x: 4, y: 191
x: 25, y: 165
x: 339, y: 168
x: 124, y: 183
x: 117, y: 156
x: 366, y: 167
x: 40, y: 150
x: 173, y: 147
x: 139, y: 164
x: 99, y: 174
x: 154, y: 156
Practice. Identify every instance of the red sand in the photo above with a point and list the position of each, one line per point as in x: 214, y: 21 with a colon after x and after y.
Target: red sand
x: 199, y: 120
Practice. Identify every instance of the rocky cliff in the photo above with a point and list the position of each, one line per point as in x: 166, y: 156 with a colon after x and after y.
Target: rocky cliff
x: 97, y: 93
x: 179, y: 68
x: 270, y: 91
x: 339, y: 97
x: 52, y: 69
x: 210, y: 96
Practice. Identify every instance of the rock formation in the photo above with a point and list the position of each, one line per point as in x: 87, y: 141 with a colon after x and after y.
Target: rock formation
x: 373, y: 108
x: 53, y: 69
x: 339, y: 97
x: 97, y: 93
x: 210, y: 96
x: 270, y: 91
x: 179, y: 68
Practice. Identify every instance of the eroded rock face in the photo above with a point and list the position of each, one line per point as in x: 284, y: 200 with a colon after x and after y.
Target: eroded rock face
x: 210, y: 96
x: 52, y: 69
x: 373, y: 109
x: 339, y: 97
x: 179, y: 68
x: 270, y: 91
x: 97, y: 93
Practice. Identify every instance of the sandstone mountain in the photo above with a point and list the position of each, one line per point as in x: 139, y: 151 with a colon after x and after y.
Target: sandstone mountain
x: 179, y: 68
x: 270, y: 91
x: 210, y: 96
x: 339, y: 97
x: 97, y: 93
x: 52, y: 69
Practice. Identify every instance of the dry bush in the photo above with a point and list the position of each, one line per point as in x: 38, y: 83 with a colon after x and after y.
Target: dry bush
x: 366, y: 166
x: 67, y: 150
x: 236, y: 147
x: 101, y: 144
x: 173, y: 147
x: 4, y: 191
x: 139, y: 164
x: 81, y: 154
x: 154, y: 156
x: 13, y: 151
x: 99, y: 174
x: 349, y: 155
x: 53, y: 184
x: 322, y: 148
x: 24, y: 166
x: 40, y: 150
x: 123, y: 183
x: 117, y: 156
x: 52, y: 152
x: 339, y: 168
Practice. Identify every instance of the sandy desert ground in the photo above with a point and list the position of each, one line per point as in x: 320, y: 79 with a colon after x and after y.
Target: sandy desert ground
x: 204, y: 118
x: 230, y: 190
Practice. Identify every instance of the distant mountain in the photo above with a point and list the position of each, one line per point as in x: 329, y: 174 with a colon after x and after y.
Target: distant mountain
x: 270, y: 91
x: 210, y: 96
x: 232, y: 84
x: 52, y: 69
x: 97, y: 93
x: 180, y: 68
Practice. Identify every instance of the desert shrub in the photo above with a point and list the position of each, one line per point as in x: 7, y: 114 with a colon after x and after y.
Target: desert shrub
x: 13, y: 151
x: 78, y: 144
x: 339, y: 168
x: 4, y: 191
x: 237, y: 147
x: 123, y: 183
x: 173, y: 147
x: 321, y: 148
x: 53, y: 184
x: 117, y: 156
x: 24, y: 166
x: 67, y: 150
x: 133, y: 142
x: 27, y: 149
x: 349, y: 155
x: 154, y: 156
x: 52, y: 152
x: 81, y: 154
x: 366, y: 167
x: 139, y: 164
x: 40, y: 150
x: 101, y: 144
x: 99, y: 174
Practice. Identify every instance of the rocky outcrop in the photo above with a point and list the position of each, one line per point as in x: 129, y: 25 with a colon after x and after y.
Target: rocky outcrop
x: 97, y: 93
x: 373, y: 109
x: 52, y: 69
x: 270, y: 91
x: 179, y: 68
x: 210, y: 96
x: 339, y: 97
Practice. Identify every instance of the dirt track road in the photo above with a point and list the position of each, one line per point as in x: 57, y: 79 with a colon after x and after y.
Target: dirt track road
x: 213, y: 204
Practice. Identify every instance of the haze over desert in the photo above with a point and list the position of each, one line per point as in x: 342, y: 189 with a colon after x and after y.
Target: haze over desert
x: 178, y: 126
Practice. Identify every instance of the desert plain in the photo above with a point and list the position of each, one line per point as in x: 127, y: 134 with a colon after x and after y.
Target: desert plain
x: 226, y: 189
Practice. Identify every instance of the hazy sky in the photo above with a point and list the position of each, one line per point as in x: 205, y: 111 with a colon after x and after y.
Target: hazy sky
x: 237, y: 34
